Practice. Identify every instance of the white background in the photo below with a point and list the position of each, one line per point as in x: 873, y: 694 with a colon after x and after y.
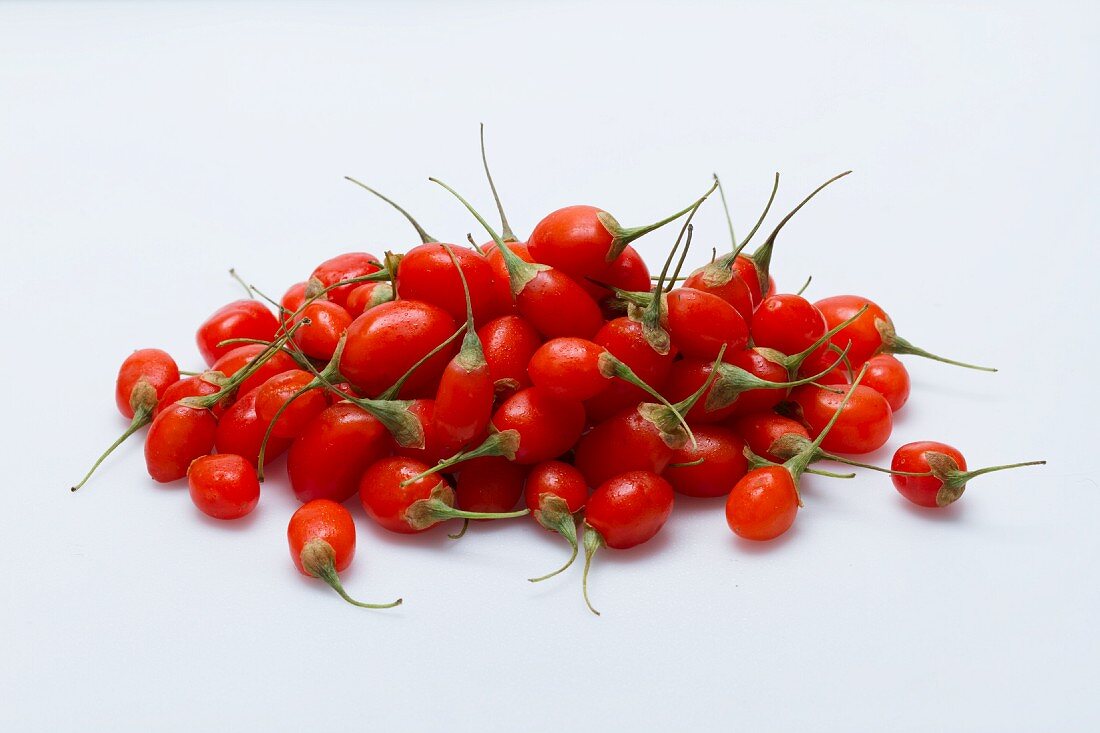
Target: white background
x: 146, y: 148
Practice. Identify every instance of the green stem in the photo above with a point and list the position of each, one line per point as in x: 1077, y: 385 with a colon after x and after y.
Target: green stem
x: 652, y: 314
x: 247, y: 288
x: 504, y: 443
x: 735, y: 381
x: 805, y: 285
x: 143, y: 415
x: 762, y: 257
x: 726, y: 209
x: 505, y: 230
x: 620, y: 236
x: 318, y: 559
x: 567, y: 528
x: 798, y: 464
x: 794, y: 362
x: 593, y: 541
x: 209, y: 401
x: 967, y: 475
x: 460, y: 533
x: 898, y: 345
x: 471, y: 356
x: 425, y: 238
x: 738, y: 249
x: 519, y: 272
x: 394, y: 389
x: 428, y: 512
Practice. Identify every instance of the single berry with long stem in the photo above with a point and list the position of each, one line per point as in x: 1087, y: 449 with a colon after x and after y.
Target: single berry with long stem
x: 321, y: 535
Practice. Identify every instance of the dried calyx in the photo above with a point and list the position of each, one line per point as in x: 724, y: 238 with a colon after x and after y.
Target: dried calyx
x: 650, y: 309
x: 622, y: 236
x: 669, y: 419
x: 439, y: 507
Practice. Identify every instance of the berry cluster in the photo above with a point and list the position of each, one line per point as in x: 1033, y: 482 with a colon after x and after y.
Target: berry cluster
x: 457, y: 382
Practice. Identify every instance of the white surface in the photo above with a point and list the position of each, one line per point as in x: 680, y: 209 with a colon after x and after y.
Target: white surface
x: 147, y: 148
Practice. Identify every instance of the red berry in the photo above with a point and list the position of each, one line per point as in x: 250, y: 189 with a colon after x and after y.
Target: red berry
x: 223, y: 486
x: 239, y: 319
x: 763, y: 504
x: 321, y: 535
x: 508, y: 343
x: 178, y: 435
x: 427, y: 274
x: 332, y: 452
x: 340, y: 268
x: 385, y: 342
x: 723, y: 463
x: 152, y: 367
x: 547, y: 426
x: 787, y: 323
x: 865, y: 422
x: 328, y: 321
x: 241, y: 431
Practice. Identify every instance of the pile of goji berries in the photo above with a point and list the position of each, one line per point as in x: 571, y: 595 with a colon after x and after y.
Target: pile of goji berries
x: 461, y: 381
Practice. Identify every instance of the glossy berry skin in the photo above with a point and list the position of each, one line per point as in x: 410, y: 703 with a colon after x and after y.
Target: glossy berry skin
x: 223, y: 486
x: 557, y: 306
x: 761, y: 429
x: 547, y: 425
x: 463, y: 404
x: 386, y: 500
x: 152, y: 366
x: 508, y: 343
x: 628, y: 272
x: 865, y: 423
x: 569, y: 368
x: 554, y: 303
x: 555, y: 479
x: 343, y: 267
x: 727, y: 284
x: 623, y: 338
x: 427, y: 274
x: 787, y: 323
x: 366, y: 296
x: 241, y: 431
x: 239, y: 319
x: 293, y: 298
x: 278, y: 391
x: 921, y: 490
x: 625, y: 442
x: 178, y: 435
x: 763, y: 504
x: 746, y: 269
x: 863, y: 334
x: 724, y: 463
x: 195, y: 386
x: 630, y: 508
x: 572, y: 240
x: 490, y: 484
x: 325, y: 521
x: 332, y: 452
x: 505, y: 301
x: 240, y: 357
x: 432, y: 451
x: 755, y: 400
x: 327, y: 323
x: 885, y: 374
x: 700, y: 323
x: 384, y: 342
